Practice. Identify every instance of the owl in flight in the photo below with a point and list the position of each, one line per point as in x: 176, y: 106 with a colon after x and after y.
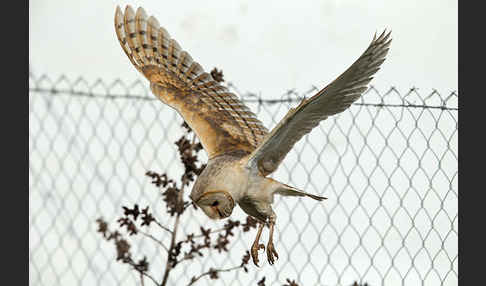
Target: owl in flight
x: 241, y: 151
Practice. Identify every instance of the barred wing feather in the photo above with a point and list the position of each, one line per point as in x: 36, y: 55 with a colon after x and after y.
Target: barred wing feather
x: 220, y: 120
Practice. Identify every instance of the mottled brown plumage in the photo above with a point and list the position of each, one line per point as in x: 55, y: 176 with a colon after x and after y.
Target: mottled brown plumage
x: 241, y: 151
x: 221, y: 121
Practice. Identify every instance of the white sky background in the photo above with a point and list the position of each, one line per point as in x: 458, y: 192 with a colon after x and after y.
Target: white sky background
x: 265, y: 47
x: 262, y: 46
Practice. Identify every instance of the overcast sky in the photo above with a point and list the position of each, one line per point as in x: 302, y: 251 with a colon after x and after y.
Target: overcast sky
x: 262, y: 46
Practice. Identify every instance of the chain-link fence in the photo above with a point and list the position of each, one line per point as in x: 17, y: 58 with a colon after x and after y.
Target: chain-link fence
x: 388, y: 166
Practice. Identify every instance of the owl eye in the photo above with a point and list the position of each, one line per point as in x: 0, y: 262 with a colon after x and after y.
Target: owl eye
x: 215, y: 203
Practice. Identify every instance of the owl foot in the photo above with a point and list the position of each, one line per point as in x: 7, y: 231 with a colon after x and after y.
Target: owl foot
x: 271, y: 252
x: 254, y: 252
x: 256, y: 245
x: 270, y: 247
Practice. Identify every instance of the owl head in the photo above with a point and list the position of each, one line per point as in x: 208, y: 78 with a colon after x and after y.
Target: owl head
x: 216, y: 204
x: 210, y: 193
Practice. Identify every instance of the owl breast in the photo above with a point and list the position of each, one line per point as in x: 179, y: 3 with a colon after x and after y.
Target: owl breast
x: 251, y: 207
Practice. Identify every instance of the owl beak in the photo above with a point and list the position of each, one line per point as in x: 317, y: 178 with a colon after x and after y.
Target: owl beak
x: 219, y: 212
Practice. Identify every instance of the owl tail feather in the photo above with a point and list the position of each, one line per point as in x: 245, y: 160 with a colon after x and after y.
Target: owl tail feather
x: 286, y: 190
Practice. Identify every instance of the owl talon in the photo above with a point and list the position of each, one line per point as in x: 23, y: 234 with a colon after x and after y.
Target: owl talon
x: 254, y: 252
x: 257, y: 245
x: 271, y: 252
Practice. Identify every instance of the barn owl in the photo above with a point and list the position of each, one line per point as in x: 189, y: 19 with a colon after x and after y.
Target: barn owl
x: 242, y: 152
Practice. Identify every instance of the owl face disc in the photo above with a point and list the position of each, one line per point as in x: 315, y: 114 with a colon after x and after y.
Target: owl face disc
x: 216, y: 204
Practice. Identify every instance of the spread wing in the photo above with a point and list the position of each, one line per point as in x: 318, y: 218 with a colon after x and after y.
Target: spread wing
x: 220, y: 120
x: 333, y: 99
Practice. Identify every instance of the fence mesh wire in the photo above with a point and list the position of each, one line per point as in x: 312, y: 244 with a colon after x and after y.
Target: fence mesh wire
x: 388, y: 166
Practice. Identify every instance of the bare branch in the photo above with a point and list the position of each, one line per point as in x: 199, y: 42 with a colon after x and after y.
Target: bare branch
x: 143, y: 273
x: 154, y: 239
x: 212, y: 271
x: 162, y: 227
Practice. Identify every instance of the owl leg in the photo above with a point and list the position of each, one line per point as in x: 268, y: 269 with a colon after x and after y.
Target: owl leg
x: 256, y: 245
x: 270, y: 247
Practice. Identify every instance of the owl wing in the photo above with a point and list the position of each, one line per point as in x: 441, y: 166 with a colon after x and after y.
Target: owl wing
x: 220, y: 120
x: 333, y: 99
